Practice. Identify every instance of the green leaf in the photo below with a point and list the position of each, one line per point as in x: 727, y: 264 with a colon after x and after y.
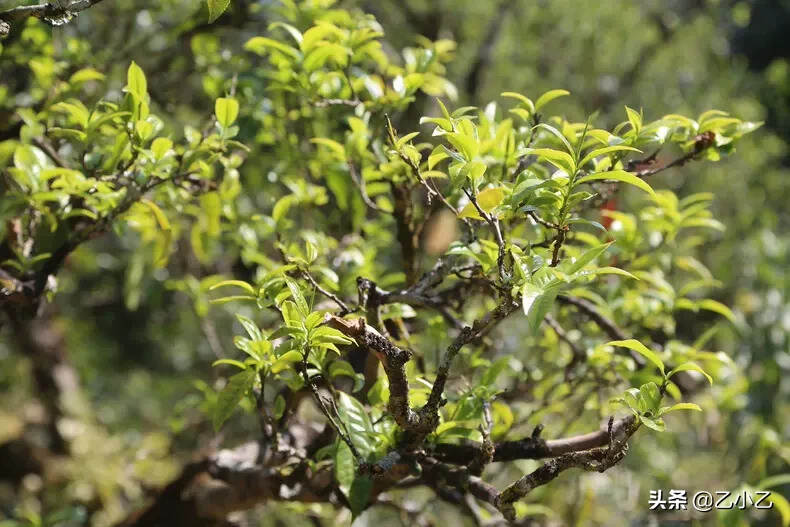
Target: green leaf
x: 680, y: 406
x: 444, y: 109
x: 618, y: 175
x: 587, y: 257
x: 298, y: 297
x: 338, y: 149
x: 291, y: 314
x: 630, y: 397
x: 774, y: 481
x: 782, y: 505
x: 466, y: 145
x: 655, y: 424
x: 233, y: 298
x: 85, y: 75
x: 470, y: 211
x: 76, y: 111
x: 536, y: 302
x: 606, y: 150
x: 230, y: 362
x: 444, y: 124
x: 359, y: 494
x: 163, y: 223
x: 226, y: 109
x: 490, y: 198
x: 640, y: 348
x: 718, y: 307
x: 405, y: 139
x: 250, y: 327
x: 502, y: 417
x: 649, y: 397
x: 614, y: 270
x: 686, y: 366
x: 326, y: 334
x: 230, y: 396
x: 320, y: 55
x: 558, y: 158
x: 279, y: 406
x: 216, y: 8
x: 160, y: 147
x: 529, y: 293
x: 285, y: 360
x: 67, y: 133
x: 356, y: 419
x: 526, y: 101
x: 260, y: 45
x: 235, y: 283
x: 136, y: 82
x: 379, y: 393
x: 556, y: 133
x: 295, y: 33
x: 340, y: 367
x: 344, y: 467
x: 635, y: 118
x: 549, y: 96
x: 436, y: 156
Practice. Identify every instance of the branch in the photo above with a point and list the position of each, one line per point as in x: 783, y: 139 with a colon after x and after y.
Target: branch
x: 403, y: 211
x: 686, y: 384
x: 213, y: 486
x: 393, y: 359
x: 25, y: 292
x: 345, y: 437
x: 642, y: 168
x: 359, y: 181
x: 533, y: 447
x: 55, y: 379
x: 344, y: 309
x: 578, y: 352
x: 467, y: 335
x: 589, y: 309
x: 415, y: 168
x: 608, y: 326
x: 54, y: 14
x: 596, y: 459
x: 417, y: 295
x: 494, y: 222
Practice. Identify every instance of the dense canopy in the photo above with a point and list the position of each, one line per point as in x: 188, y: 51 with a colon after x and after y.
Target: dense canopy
x: 318, y: 262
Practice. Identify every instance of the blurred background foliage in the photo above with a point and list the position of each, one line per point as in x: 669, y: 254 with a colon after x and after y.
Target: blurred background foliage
x: 137, y: 334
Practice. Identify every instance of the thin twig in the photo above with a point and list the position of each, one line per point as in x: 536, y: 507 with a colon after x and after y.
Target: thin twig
x: 494, y: 223
x: 324, y: 410
x: 359, y: 181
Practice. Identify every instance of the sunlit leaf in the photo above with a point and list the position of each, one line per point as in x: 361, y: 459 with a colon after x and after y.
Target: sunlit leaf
x: 231, y: 395
x: 641, y: 349
x: 618, y: 175
x: 216, y: 8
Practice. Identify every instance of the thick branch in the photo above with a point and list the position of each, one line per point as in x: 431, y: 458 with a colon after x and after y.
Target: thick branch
x: 403, y: 212
x: 393, y: 359
x: 56, y: 381
x: 597, y: 459
x: 533, y: 447
x: 48, y: 11
x: 210, y: 488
